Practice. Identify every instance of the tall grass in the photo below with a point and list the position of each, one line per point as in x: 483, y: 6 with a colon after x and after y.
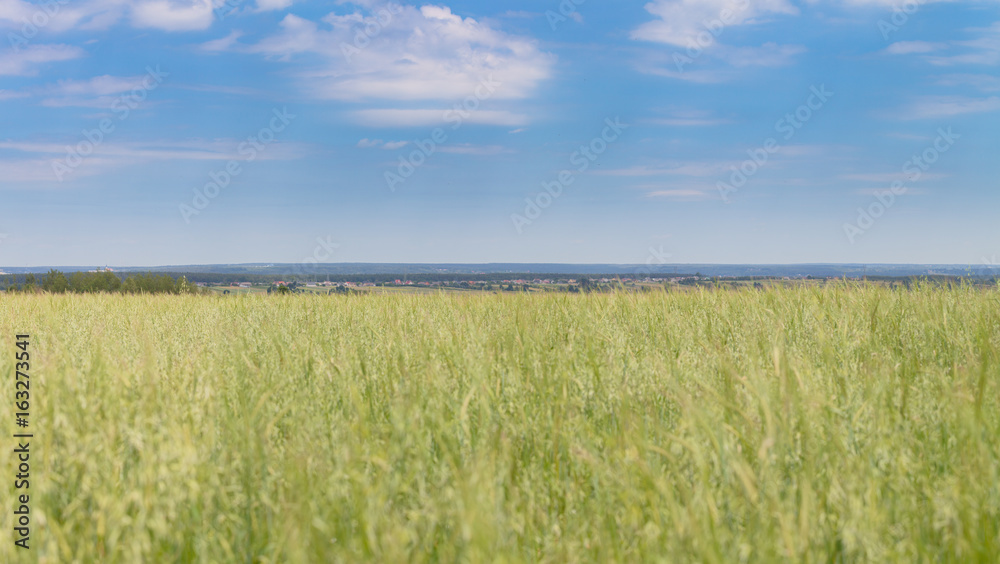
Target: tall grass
x: 837, y: 424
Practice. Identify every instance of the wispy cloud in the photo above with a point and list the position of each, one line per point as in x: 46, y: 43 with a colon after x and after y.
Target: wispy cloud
x: 680, y: 22
x: 30, y: 161
x: 889, y: 177
x: 223, y: 44
x: 681, y: 194
x: 430, y: 117
x: 380, y: 144
x: 11, y: 95
x: 27, y: 60
x: 470, y: 149
x: 932, y: 107
x: 767, y: 55
x: 984, y: 82
x: 688, y: 118
x: 981, y: 50
x: 271, y: 5
x: 695, y: 28
x: 696, y: 169
x: 910, y: 47
x: 97, y: 92
x: 88, y: 15
x: 170, y: 15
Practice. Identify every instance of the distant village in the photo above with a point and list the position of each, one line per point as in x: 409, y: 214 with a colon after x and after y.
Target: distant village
x: 500, y: 284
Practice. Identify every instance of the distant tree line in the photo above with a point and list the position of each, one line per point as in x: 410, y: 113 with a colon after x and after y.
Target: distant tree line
x: 56, y: 282
x: 227, y: 279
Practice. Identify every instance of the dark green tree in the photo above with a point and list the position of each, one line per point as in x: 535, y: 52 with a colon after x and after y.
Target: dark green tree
x: 55, y: 282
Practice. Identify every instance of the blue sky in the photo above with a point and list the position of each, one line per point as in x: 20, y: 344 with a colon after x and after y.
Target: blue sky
x: 158, y: 132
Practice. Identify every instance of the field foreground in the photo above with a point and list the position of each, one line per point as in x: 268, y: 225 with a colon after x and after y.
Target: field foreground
x: 848, y: 424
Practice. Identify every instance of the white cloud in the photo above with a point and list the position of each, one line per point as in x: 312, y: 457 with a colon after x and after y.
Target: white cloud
x: 380, y: 144
x: 469, y: 149
x: 984, y: 82
x: 983, y: 50
x: 422, y: 118
x: 700, y: 22
x: 413, y: 54
x: 683, y: 194
x: 910, y: 47
x: 109, y: 155
x: 930, y: 107
x: 222, y: 44
x: 12, y: 12
x: 98, y: 92
x: 57, y: 17
x: 887, y: 3
x: 22, y: 62
x: 97, y: 86
x: 767, y: 55
x: 173, y: 15
x: 695, y: 169
x: 695, y: 28
x: 687, y: 122
x: 701, y: 76
x: 268, y: 5
x: 890, y: 177
x: 11, y: 95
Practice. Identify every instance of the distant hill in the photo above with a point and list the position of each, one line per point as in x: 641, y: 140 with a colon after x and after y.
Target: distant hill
x: 727, y: 270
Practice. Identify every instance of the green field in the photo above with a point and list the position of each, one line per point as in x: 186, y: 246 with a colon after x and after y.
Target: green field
x: 845, y: 423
